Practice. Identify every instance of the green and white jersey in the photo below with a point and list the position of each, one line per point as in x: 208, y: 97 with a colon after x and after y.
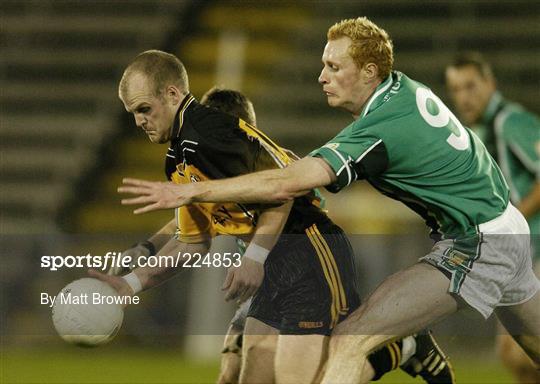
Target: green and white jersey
x: 512, y: 135
x: 409, y: 146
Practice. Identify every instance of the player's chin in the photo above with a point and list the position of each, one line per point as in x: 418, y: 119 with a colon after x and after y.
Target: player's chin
x: 333, y: 101
x: 156, y: 139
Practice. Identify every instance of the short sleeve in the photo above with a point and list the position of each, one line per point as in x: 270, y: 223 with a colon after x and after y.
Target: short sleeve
x: 521, y: 132
x: 347, y: 155
x: 193, y: 225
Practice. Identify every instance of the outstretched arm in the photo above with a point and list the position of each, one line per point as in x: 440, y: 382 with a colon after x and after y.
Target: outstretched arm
x: 276, y: 185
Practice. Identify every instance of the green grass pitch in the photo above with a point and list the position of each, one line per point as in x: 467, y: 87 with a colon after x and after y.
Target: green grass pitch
x: 152, y: 366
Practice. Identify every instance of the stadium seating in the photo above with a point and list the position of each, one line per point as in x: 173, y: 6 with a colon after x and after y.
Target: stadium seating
x: 426, y: 35
x: 59, y: 67
x: 60, y: 63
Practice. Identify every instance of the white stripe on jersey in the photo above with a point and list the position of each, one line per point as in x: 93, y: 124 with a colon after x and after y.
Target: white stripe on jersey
x: 349, y: 175
x: 524, y: 158
x: 182, y: 114
x: 189, y: 141
x: 503, y: 159
x: 376, y: 94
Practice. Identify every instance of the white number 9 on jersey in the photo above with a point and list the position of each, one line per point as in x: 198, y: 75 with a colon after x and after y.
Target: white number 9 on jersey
x: 442, y: 118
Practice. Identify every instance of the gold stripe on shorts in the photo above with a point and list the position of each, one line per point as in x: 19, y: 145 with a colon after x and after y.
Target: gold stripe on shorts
x: 398, y: 355
x: 343, y: 308
x: 333, y: 280
x: 392, y: 355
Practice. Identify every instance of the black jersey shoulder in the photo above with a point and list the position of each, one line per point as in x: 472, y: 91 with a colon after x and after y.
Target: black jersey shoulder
x: 195, y: 120
x: 213, y: 142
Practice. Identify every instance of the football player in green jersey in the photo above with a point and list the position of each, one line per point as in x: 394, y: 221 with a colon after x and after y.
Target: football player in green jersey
x: 387, y: 358
x: 307, y: 284
x: 407, y: 144
x: 512, y: 136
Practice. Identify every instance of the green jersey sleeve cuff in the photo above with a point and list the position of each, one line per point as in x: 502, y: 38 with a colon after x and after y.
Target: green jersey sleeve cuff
x: 340, y: 165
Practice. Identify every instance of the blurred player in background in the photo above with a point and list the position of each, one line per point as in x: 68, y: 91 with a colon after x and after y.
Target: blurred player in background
x: 512, y: 136
x: 308, y: 280
x: 409, y: 146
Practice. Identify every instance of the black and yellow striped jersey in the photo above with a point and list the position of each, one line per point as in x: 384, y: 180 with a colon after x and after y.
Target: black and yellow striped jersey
x: 210, y: 144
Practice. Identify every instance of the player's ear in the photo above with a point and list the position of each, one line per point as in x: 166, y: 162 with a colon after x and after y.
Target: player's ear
x: 371, y: 71
x: 173, y: 94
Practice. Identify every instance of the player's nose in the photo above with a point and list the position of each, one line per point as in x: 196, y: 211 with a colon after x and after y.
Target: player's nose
x: 322, y: 77
x: 139, y: 120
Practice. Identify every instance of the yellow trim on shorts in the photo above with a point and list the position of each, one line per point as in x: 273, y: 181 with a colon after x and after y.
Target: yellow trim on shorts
x: 343, y: 309
x: 326, y: 259
x: 392, y: 352
x: 334, y: 309
x: 398, y: 355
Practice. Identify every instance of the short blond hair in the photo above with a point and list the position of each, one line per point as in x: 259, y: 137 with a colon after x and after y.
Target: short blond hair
x: 161, y: 68
x: 370, y: 44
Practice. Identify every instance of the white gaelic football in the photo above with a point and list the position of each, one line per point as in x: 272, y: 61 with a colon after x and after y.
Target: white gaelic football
x: 85, y: 314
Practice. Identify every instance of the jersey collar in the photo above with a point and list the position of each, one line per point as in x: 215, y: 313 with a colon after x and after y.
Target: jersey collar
x: 179, y: 118
x: 492, y: 107
x: 378, y: 96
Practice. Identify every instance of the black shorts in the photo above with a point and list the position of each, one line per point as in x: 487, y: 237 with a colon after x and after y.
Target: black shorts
x: 309, y: 284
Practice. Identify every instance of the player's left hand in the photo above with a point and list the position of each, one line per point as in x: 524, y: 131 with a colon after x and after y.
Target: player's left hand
x: 242, y: 282
x: 155, y: 194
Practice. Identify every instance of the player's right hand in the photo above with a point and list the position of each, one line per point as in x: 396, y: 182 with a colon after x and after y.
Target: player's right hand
x: 135, y: 252
x: 155, y: 195
x: 242, y: 282
x: 118, y: 283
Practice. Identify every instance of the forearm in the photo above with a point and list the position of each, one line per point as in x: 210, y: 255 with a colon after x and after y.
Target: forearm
x: 162, y: 237
x: 530, y: 204
x: 266, y: 187
x: 270, y: 225
x: 153, y: 276
x: 276, y: 185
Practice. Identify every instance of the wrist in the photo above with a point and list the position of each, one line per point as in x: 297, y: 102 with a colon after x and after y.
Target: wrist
x: 257, y: 253
x: 134, y: 282
x: 194, y: 192
x: 149, y: 246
